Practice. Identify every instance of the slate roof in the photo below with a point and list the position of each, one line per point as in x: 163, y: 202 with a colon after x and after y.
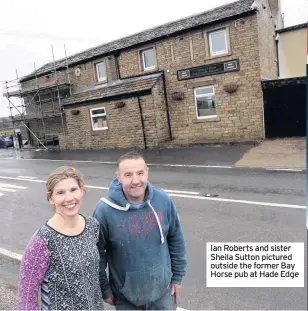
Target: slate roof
x: 295, y: 27
x: 218, y: 14
x: 121, y: 87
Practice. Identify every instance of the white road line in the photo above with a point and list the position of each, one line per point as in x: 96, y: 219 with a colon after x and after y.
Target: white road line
x: 238, y: 201
x: 10, y: 254
x: 93, y: 187
x: 7, y: 189
x: 12, y: 186
x: 189, y: 165
x: 183, y: 192
x: 96, y: 187
x: 1, y: 194
x: 107, y: 162
x: 22, y: 179
x: 157, y: 164
x: 28, y: 177
x: 177, y: 193
x: 285, y: 169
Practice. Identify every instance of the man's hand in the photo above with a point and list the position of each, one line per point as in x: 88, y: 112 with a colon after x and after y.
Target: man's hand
x: 175, y: 289
x: 109, y: 300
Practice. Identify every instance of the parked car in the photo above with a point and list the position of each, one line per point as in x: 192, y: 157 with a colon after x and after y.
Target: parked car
x: 9, y: 141
x: 2, y: 142
x: 6, y: 142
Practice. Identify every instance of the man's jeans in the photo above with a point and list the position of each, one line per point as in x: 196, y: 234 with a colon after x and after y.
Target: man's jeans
x: 166, y: 302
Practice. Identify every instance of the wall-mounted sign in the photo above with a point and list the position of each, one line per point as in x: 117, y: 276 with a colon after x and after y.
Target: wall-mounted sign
x: 207, y: 70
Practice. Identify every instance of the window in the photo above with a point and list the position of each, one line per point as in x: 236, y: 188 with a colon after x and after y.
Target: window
x: 98, y: 119
x: 101, y: 71
x: 218, y: 42
x: 148, y: 59
x: 205, y: 102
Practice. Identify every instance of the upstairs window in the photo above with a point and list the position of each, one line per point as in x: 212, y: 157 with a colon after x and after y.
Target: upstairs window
x: 218, y: 42
x: 101, y: 71
x: 148, y: 59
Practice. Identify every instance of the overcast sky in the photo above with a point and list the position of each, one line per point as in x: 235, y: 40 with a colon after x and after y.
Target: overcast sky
x: 28, y: 28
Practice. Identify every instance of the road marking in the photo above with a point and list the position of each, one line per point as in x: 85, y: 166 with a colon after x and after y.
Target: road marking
x: 28, y: 177
x: 238, y: 201
x: 96, y: 187
x: 1, y: 194
x: 114, y: 163
x: 285, y: 169
x: 91, y: 187
x: 22, y: 179
x: 12, y: 186
x: 183, y: 192
x: 10, y: 254
x: 189, y: 165
x: 6, y: 189
x: 163, y: 165
x: 180, y: 194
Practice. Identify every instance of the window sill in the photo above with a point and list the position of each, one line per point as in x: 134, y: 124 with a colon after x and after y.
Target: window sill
x: 150, y: 70
x: 218, y: 56
x: 208, y: 119
x: 101, y: 82
x: 97, y: 132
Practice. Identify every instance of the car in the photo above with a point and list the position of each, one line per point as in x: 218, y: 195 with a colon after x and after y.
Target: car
x: 2, y: 142
x: 9, y: 141
x: 6, y: 142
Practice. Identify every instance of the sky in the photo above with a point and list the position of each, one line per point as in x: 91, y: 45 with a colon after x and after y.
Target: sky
x: 29, y: 28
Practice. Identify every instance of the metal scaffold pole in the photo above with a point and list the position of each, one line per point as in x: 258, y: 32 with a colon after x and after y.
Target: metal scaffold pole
x: 14, y: 132
x: 59, y: 101
x: 67, y: 71
x: 23, y: 110
x: 39, y: 98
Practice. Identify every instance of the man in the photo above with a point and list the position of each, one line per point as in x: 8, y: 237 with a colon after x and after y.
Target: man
x: 142, y: 241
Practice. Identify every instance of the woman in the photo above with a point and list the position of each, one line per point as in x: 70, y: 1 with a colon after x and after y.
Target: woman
x: 61, y: 261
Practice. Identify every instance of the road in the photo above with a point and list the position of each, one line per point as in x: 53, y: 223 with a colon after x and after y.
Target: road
x: 215, y: 205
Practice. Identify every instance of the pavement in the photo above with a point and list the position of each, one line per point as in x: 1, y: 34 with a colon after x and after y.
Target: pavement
x: 276, y: 154
x: 215, y: 205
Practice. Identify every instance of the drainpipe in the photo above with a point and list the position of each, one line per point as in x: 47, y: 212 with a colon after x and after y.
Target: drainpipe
x: 167, y: 107
x: 142, y: 124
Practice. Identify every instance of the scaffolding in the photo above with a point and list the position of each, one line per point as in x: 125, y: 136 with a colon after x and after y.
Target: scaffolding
x: 40, y: 100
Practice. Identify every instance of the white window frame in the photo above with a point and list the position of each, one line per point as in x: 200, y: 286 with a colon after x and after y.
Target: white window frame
x: 197, y: 96
x: 98, y: 115
x: 224, y: 30
x: 143, y: 60
x: 97, y: 72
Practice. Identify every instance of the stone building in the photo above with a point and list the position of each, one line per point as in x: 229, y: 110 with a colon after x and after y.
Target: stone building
x: 194, y: 80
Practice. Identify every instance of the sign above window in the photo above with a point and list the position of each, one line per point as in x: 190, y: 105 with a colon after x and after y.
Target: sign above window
x: 207, y: 70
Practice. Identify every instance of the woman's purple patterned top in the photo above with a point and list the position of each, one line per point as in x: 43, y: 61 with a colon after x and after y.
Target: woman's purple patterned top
x: 62, y: 270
